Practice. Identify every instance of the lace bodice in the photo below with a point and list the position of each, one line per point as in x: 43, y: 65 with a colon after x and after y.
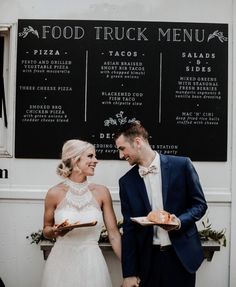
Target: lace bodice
x: 80, y: 205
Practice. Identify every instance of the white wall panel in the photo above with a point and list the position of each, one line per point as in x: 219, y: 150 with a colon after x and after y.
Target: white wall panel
x: 21, y: 195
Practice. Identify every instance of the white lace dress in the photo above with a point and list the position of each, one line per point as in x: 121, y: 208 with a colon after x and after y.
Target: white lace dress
x: 76, y: 259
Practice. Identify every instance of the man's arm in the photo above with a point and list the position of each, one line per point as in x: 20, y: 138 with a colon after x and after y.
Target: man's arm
x: 197, y: 202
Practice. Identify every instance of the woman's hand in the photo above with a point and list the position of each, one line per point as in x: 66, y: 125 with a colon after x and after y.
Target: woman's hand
x: 60, y: 232
x: 51, y: 232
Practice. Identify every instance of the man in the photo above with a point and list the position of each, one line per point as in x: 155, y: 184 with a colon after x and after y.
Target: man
x: 154, y: 256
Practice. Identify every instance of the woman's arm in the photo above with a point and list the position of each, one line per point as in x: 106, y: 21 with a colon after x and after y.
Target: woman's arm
x: 111, y: 222
x: 50, y: 204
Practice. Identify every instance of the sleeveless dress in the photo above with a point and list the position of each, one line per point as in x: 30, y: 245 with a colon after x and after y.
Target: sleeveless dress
x: 76, y: 259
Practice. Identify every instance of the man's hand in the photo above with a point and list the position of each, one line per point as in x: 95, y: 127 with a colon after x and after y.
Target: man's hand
x: 131, y: 282
x: 174, y: 219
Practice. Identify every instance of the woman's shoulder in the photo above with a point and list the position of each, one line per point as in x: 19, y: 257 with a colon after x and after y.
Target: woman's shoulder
x: 100, y: 191
x: 56, y: 190
x: 98, y: 187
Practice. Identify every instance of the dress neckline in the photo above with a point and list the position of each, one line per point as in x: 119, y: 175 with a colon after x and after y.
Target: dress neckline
x: 78, y: 188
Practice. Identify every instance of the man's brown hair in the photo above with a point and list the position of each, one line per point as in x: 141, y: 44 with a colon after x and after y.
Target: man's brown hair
x: 131, y: 130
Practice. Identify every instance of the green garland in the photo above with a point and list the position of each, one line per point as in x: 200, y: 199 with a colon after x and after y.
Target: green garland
x: 208, y: 233
x: 37, y: 237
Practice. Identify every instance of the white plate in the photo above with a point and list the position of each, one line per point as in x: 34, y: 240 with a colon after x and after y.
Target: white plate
x: 145, y: 222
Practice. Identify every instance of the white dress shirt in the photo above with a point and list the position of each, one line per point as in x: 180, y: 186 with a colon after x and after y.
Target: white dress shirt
x: 154, y: 190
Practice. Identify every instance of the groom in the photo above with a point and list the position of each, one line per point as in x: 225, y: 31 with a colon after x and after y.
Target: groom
x: 153, y: 256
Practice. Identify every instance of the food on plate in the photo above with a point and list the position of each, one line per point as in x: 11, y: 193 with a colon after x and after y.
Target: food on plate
x: 159, y: 216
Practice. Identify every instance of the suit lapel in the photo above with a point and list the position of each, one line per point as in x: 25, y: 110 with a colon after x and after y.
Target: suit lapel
x: 142, y: 190
x: 165, y: 174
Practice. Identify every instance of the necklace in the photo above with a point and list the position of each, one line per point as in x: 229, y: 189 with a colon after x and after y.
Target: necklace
x: 78, y: 188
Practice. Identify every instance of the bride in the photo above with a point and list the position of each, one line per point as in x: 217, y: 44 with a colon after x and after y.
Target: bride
x: 76, y: 259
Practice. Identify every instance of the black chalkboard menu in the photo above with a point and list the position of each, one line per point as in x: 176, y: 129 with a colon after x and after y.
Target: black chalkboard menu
x: 83, y: 79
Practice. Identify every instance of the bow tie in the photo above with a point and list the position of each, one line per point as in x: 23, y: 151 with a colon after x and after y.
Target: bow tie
x: 145, y: 170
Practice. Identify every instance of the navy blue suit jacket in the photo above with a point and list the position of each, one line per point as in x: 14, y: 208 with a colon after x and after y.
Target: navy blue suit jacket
x: 182, y: 195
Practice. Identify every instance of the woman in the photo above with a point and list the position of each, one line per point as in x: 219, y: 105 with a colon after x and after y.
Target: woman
x: 76, y: 259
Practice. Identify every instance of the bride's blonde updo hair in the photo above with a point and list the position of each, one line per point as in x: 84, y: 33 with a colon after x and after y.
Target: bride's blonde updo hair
x: 71, y: 152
